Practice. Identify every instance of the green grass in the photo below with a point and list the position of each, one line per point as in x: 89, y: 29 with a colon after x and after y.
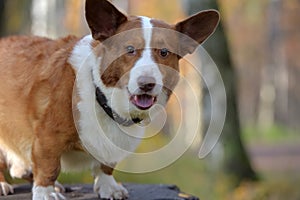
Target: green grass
x: 273, y: 188
x: 272, y: 135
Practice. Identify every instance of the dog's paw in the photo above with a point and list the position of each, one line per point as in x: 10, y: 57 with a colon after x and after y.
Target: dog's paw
x: 59, y: 187
x: 6, y: 189
x: 107, y: 188
x: 46, y: 193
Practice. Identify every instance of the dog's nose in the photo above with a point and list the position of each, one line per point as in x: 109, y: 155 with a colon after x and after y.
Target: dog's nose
x: 146, y: 83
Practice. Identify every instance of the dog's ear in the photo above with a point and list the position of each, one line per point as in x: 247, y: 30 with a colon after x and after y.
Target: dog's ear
x: 198, y: 27
x: 103, y: 18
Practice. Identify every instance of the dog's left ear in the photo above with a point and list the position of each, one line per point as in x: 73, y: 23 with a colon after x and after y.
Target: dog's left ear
x: 198, y: 27
x: 103, y: 18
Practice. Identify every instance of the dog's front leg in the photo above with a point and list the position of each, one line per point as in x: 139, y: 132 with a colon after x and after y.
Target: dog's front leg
x: 106, y: 186
x: 46, y: 155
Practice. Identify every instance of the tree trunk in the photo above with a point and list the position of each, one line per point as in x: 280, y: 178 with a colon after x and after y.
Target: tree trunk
x: 2, y: 17
x: 15, y: 17
x: 235, y: 162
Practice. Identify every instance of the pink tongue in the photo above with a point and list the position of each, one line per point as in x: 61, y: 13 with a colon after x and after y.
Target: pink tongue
x: 144, y: 101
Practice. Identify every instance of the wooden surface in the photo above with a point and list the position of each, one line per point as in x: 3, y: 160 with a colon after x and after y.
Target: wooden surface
x: 85, y: 192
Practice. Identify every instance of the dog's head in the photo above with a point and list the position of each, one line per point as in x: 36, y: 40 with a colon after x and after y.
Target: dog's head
x: 140, y: 55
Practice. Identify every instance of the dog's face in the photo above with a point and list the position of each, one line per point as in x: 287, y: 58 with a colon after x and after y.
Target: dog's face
x: 139, y: 55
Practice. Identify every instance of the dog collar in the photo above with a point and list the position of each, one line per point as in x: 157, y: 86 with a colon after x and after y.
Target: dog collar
x: 101, y: 99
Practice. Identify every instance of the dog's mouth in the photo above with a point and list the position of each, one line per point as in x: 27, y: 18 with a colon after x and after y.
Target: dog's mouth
x: 143, y: 101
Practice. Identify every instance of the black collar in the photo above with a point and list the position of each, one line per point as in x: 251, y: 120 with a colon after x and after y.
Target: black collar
x: 101, y: 99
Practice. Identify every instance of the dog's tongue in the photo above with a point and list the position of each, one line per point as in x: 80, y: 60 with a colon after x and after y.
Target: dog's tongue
x: 144, y: 101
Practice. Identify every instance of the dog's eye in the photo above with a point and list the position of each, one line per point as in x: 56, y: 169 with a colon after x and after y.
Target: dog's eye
x: 130, y: 50
x: 164, y: 52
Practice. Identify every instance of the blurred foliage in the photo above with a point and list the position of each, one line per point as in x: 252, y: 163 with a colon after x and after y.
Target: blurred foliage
x: 264, y: 41
x: 15, y: 17
x: 235, y: 158
x: 271, y: 135
x: 268, y: 190
x: 159, y: 9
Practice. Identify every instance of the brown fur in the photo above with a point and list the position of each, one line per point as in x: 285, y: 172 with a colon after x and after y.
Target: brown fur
x: 36, y: 120
x: 3, y: 167
x: 36, y: 107
x: 169, y: 66
x: 107, y: 170
x: 114, y: 72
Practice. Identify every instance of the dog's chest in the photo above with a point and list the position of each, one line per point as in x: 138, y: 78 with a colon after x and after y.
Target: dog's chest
x: 102, y: 137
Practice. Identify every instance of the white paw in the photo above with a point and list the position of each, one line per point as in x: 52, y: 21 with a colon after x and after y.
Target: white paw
x: 59, y: 187
x: 46, y: 193
x: 107, y: 188
x: 6, y: 189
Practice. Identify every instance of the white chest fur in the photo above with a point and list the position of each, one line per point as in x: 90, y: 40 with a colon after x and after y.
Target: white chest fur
x: 99, y: 134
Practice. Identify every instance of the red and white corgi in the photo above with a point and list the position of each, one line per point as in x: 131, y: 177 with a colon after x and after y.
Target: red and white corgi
x: 62, y: 102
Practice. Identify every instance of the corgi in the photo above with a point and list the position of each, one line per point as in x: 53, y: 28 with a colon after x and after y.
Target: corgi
x: 63, y: 102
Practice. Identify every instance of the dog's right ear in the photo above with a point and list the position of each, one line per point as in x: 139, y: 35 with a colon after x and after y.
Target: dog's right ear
x: 103, y: 18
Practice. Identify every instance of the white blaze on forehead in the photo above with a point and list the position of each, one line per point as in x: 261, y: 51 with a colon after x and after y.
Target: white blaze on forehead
x: 146, y: 66
x: 147, y: 30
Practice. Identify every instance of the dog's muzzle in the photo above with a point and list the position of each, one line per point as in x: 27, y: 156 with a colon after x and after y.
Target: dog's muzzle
x: 144, y: 97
